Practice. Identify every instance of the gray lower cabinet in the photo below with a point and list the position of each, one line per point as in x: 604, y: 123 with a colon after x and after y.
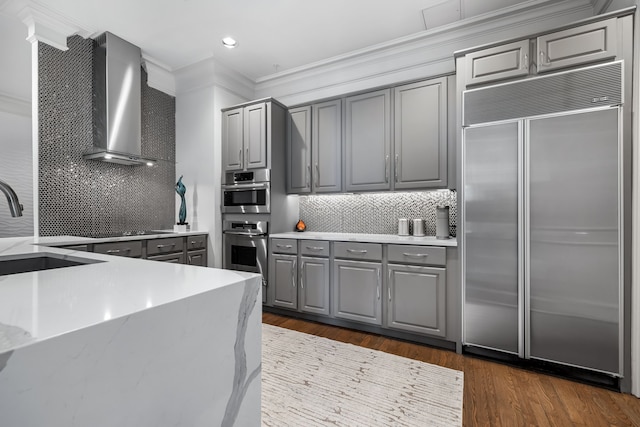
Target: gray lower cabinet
x: 176, y: 258
x: 420, y: 143
x: 368, y: 141
x: 198, y: 257
x: 314, y: 285
x: 416, y: 299
x: 356, y: 291
x: 283, y: 278
x: 131, y: 249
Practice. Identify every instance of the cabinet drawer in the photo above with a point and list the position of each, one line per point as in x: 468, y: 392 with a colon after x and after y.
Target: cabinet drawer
x: 353, y: 250
x: 164, y: 246
x: 580, y: 45
x: 198, y: 257
x: 284, y: 246
x: 314, y: 248
x: 423, y: 255
x: 196, y: 242
x: 131, y: 249
x: 497, y: 63
x: 176, y: 258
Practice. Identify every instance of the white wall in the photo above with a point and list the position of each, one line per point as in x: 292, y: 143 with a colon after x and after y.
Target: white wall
x: 198, y: 157
x: 16, y: 169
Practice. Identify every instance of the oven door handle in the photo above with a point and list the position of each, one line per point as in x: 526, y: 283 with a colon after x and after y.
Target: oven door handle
x: 238, y: 187
x: 240, y: 233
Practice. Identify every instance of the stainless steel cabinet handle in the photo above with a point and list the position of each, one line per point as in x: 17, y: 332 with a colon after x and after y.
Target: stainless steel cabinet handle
x: 315, y: 248
x: 165, y: 246
x: 396, y: 169
x: 308, y: 180
x: 284, y: 246
x: 544, y: 59
x: 240, y: 157
x: 293, y: 273
x: 193, y: 242
x: 302, y: 275
x: 246, y: 158
x: 386, y: 168
x: 117, y: 251
x: 525, y: 62
x: 378, y: 286
x: 389, y: 283
x: 317, y: 175
x: 415, y: 255
x: 389, y: 291
x: 357, y: 251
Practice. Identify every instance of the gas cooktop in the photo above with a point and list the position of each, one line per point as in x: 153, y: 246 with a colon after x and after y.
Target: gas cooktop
x: 100, y: 235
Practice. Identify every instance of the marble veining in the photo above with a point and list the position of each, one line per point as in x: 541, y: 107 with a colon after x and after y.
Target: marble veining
x: 240, y: 380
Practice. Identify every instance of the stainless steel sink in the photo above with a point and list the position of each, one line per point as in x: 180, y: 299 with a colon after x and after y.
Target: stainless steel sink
x: 40, y: 262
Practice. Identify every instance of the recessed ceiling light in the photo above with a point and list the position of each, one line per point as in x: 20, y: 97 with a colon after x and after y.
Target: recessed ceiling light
x: 229, y: 42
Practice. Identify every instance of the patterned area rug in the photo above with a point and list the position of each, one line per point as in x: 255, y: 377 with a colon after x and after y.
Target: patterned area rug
x: 315, y: 381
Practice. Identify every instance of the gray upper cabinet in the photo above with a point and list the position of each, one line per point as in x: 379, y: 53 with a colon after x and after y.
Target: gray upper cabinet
x: 368, y: 141
x: 255, y: 136
x: 416, y: 299
x: 420, y: 143
x: 327, y: 147
x: 588, y: 43
x: 299, y: 150
x: 232, y: 146
x: 244, y: 137
x: 314, y: 148
x: 497, y: 63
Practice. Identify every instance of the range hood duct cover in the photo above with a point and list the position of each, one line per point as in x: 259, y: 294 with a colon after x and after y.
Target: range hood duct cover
x: 117, y: 102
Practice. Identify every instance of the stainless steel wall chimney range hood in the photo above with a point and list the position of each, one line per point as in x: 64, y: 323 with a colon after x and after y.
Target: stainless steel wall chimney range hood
x: 117, y: 111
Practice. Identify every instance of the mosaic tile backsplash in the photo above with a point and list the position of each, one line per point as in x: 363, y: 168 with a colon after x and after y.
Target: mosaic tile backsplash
x: 376, y: 213
x: 85, y: 197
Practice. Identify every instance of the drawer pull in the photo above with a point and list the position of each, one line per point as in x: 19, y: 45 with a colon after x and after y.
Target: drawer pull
x: 315, y: 248
x: 415, y: 255
x: 165, y: 246
x: 284, y: 246
x: 193, y: 242
x: 117, y: 251
x: 357, y: 251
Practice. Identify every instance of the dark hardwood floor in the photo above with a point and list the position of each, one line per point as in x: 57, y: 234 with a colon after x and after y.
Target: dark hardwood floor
x: 495, y: 394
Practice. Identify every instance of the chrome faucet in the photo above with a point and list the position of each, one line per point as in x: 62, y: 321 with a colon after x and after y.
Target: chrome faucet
x: 14, y: 204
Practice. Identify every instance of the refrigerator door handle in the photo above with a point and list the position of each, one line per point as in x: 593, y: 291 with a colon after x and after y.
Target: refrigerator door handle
x: 525, y: 270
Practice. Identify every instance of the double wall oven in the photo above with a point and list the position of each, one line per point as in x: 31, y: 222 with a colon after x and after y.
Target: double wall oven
x: 246, y: 205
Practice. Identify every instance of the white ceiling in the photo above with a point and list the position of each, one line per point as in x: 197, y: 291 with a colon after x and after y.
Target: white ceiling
x: 274, y: 35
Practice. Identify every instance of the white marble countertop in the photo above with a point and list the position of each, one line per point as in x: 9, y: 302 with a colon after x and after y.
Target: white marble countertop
x: 71, y: 240
x: 367, y: 238
x: 39, y: 305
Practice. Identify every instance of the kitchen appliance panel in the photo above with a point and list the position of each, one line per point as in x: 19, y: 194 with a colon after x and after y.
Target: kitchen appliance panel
x: 573, y: 249
x: 491, y: 245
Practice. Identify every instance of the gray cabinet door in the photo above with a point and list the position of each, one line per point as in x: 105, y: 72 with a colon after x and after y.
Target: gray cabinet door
x: 497, y: 63
x: 255, y: 136
x: 283, y: 278
x: 356, y: 291
x: 368, y: 141
x: 420, y: 158
x: 232, y: 145
x: 299, y: 150
x: 314, y: 285
x: 327, y: 147
x: 588, y: 43
x: 417, y: 300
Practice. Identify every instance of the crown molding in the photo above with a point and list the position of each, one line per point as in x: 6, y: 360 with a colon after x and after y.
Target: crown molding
x: 11, y: 104
x: 425, y: 54
x: 43, y: 24
x: 159, y: 76
x: 600, y: 6
x: 210, y: 72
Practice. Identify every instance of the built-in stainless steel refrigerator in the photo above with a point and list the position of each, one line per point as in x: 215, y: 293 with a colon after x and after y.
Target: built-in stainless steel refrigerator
x: 542, y: 218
